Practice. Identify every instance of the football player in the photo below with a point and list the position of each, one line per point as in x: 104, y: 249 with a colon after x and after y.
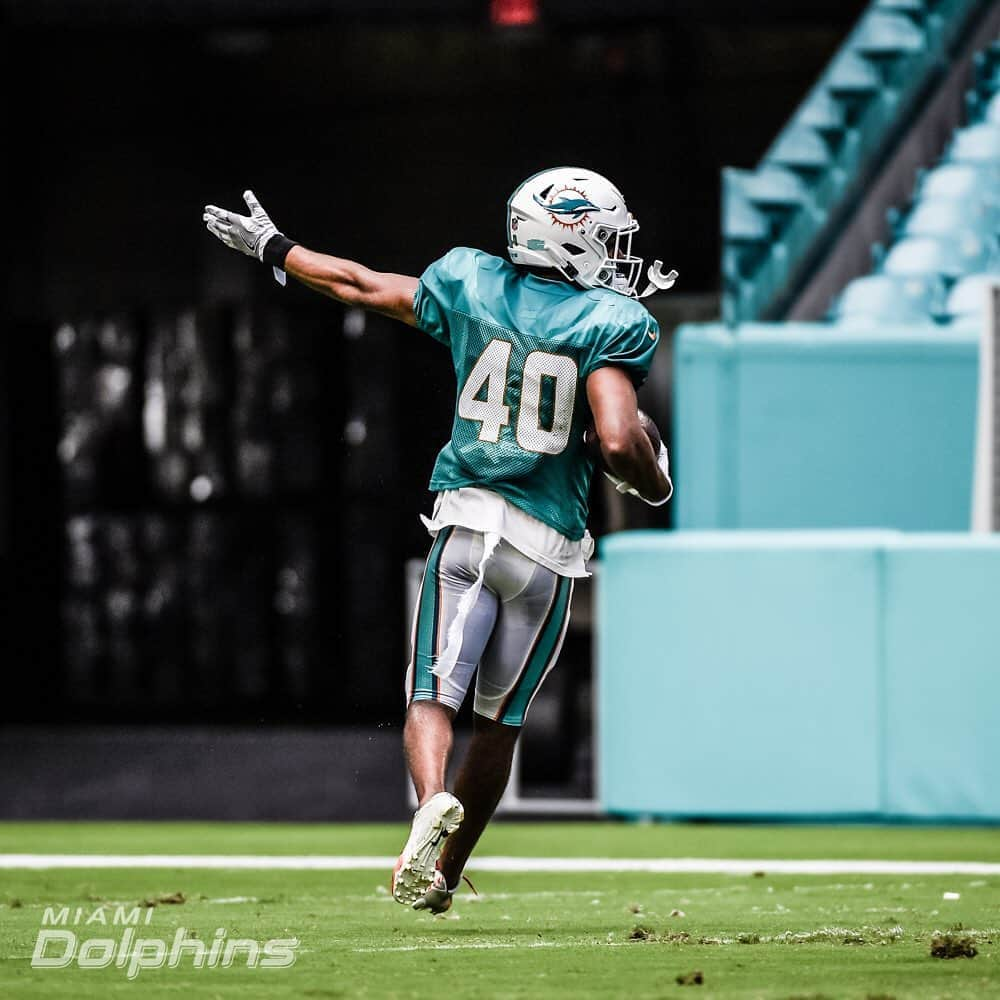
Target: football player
x: 541, y: 345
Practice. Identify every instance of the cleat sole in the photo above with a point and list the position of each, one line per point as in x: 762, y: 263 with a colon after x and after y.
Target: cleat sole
x: 416, y: 864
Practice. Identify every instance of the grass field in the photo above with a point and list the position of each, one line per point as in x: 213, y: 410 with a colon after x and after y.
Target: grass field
x: 538, y: 934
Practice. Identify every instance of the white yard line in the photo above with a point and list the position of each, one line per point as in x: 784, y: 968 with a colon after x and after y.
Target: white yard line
x: 488, y: 946
x: 664, y: 866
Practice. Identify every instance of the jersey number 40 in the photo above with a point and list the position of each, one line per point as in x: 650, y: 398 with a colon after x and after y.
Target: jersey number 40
x: 489, y: 410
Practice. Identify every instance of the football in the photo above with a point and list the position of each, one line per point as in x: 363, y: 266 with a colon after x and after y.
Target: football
x: 593, y: 442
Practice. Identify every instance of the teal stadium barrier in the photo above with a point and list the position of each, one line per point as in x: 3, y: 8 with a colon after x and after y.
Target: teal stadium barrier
x: 814, y: 661
x: 800, y: 674
x: 815, y: 426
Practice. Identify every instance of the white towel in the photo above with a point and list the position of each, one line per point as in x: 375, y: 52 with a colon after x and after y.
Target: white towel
x: 453, y: 646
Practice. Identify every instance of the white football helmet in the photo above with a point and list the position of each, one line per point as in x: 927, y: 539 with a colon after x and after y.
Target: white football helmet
x: 576, y: 221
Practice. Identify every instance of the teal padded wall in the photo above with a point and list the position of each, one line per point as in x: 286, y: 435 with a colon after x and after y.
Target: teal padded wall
x: 813, y: 426
x: 799, y: 674
x: 942, y: 684
x: 703, y: 710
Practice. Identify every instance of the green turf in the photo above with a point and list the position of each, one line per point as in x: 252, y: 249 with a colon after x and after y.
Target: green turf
x: 537, y: 935
x: 653, y: 840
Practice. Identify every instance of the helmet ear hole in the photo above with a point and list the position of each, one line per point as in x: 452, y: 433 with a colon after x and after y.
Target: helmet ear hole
x: 572, y: 248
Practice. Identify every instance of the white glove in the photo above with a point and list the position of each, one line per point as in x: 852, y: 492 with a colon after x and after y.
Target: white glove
x: 663, y: 461
x: 247, y: 233
x: 250, y: 234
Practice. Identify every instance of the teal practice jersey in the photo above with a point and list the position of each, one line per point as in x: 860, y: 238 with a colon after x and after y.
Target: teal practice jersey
x: 522, y: 348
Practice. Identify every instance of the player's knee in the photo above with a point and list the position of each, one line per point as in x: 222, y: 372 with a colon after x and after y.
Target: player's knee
x: 421, y: 709
x: 492, y: 729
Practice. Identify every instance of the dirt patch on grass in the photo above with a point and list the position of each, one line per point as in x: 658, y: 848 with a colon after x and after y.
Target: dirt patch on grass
x: 170, y: 898
x: 695, y: 978
x: 831, y: 935
x: 953, y: 946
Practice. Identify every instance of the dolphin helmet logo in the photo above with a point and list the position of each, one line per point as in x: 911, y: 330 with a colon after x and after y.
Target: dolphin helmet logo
x: 568, y: 207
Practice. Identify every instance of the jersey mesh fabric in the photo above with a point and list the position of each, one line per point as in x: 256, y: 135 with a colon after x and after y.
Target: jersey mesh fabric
x: 540, y: 339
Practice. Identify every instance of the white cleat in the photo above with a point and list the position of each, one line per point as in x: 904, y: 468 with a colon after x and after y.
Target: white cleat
x: 438, y: 897
x: 439, y: 816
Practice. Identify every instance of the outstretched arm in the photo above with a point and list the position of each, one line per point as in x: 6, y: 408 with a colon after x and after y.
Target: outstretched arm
x: 353, y: 284
x: 624, y: 444
x: 344, y: 280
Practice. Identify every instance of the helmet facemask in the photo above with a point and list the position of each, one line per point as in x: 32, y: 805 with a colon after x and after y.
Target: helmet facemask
x: 620, y: 270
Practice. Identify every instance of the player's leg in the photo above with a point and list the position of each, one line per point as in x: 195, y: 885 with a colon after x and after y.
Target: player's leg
x: 481, y: 781
x: 479, y: 786
x: 526, y: 641
x: 427, y: 741
x: 432, y: 701
x: 451, y: 570
x: 427, y: 733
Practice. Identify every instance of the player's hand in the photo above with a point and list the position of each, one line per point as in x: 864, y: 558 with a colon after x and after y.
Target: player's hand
x: 663, y: 461
x: 247, y: 233
x: 619, y: 484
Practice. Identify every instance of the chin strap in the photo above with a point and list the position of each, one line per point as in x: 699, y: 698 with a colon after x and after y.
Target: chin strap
x: 658, y: 281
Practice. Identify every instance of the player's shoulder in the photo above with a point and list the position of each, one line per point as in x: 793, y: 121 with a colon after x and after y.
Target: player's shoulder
x: 461, y: 262
x: 615, y: 313
x: 468, y: 281
x: 628, y: 310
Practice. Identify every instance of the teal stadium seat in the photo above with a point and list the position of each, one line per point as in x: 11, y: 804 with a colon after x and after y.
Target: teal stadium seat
x: 992, y: 114
x: 878, y: 299
x: 967, y: 299
x: 916, y: 10
x: 920, y: 256
x: 951, y: 216
x: 742, y: 222
x: 802, y: 150
x: 773, y: 190
x: 747, y: 235
x: 885, y: 34
x: 824, y: 115
x: 853, y: 80
x: 978, y: 144
x: 959, y: 180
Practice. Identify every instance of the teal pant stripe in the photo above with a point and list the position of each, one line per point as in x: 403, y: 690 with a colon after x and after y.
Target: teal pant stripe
x: 542, y: 655
x: 427, y: 618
